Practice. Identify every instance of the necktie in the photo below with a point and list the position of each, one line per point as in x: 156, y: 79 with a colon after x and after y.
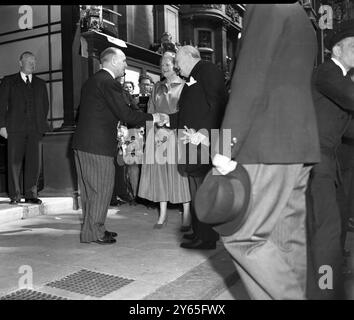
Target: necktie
x: 27, y: 80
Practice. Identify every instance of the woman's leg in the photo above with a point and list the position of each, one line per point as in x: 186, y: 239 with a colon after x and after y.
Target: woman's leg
x: 163, y: 212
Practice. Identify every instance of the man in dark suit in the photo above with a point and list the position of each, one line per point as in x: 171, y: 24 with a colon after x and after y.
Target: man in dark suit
x: 333, y: 95
x: 274, y: 135
x: 102, y: 105
x: 201, y: 106
x: 348, y: 171
x: 23, y: 121
x: 345, y: 189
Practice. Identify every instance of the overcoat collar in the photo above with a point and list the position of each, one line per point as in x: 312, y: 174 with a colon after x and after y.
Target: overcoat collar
x: 196, y: 68
x: 19, y: 80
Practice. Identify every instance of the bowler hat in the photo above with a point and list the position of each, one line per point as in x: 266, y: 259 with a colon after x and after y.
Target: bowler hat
x: 345, y: 30
x: 222, y: 200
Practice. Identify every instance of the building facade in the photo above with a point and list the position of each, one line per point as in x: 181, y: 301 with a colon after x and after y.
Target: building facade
x: 67, y: 41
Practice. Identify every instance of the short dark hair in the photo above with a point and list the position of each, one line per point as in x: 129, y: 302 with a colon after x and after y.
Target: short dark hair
x: 29, y: 53
x: 145, y: 76
x: 107, y: 53
x: 132, y: 83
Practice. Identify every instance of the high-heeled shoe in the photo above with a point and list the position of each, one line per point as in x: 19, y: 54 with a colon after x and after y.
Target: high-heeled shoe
x: 160, y: 225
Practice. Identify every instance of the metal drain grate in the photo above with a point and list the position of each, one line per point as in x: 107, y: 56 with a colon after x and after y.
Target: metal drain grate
x: 27, y: 294
x: 90, y: 283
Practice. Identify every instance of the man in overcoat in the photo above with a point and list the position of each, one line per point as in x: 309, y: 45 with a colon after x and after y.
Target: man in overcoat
x: 274, y: 135
x: 23, y: 121
x: 102, y: 105
x: 201, y: 107
x: 333, y: 94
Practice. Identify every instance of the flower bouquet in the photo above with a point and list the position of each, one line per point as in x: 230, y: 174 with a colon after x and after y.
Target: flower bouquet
x: 130, y: 143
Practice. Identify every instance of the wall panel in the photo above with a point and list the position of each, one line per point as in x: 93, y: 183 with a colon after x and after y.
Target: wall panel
x: 10, y: 52
x: 9, y: 17
x: 44, y: 40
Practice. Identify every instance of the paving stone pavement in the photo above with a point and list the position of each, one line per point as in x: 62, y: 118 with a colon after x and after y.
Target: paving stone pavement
x: 43, y: 244
x: 47, y: 246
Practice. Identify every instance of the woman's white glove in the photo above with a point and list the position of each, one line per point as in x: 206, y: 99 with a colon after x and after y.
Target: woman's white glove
x: 193, y: 137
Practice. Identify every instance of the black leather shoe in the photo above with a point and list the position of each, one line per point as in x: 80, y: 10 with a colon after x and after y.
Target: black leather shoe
x: 111, y: 234
x: 190, y: 236
x: 116, y: 202
x: 14, y: 201
x: 33, y: 200
x: 185, y: 228
x: 199, y: 244
x: 105, y: 240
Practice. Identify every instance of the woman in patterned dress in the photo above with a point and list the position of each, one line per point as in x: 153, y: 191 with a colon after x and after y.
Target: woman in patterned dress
x: 161, y: 182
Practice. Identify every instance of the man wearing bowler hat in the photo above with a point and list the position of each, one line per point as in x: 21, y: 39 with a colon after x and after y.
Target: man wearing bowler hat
x: 274, y: 136
x: 334, y: 99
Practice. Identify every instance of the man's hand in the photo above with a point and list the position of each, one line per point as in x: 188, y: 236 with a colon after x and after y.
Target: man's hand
x: 3, y: 132
x: 193, y: 137
x: 224, y: 164
x: 161, y: 119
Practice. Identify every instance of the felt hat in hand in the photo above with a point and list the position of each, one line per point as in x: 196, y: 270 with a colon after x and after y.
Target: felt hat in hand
x: 222, y: 200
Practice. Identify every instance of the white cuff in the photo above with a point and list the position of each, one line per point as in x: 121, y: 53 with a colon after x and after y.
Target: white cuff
x: 224, y: 164
x: 156, y: 118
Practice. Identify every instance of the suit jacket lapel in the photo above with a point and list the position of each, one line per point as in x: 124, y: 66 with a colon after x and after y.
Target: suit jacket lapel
x: 34, y: 82
x: 193, y: 74
x: 18, y: 79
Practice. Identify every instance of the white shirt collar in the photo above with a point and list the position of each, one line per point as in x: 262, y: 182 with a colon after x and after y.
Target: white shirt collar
x: 110, y: 72
x: 23, y: 76
x: 340, y: 66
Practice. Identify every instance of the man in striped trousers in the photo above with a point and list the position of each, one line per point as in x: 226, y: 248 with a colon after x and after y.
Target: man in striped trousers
x: 101, y: 107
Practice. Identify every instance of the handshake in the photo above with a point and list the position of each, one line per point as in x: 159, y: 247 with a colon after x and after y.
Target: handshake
x: 161, y: 119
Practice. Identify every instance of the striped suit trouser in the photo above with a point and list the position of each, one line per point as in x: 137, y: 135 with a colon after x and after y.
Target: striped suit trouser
x: 96, y: 181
